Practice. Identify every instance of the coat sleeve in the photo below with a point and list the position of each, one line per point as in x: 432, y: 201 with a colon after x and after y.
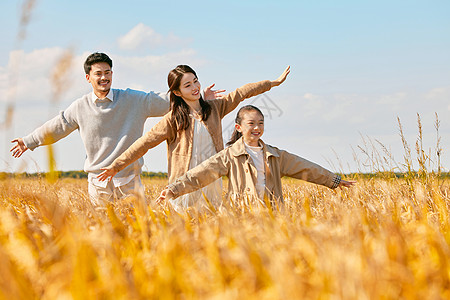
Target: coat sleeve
x: 300, y: 168
x: 162, y: 131
x: 53, y: 130
x: 202, y: 175
x: 232, y: 100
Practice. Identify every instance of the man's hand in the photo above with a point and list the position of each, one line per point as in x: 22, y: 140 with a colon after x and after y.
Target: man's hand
x: 211, y: 94
x: 108, y: 173
x: 19, y: 148
x: 282, y: 77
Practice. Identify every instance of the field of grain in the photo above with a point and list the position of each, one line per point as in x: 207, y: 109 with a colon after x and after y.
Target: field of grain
x: 382, y: 239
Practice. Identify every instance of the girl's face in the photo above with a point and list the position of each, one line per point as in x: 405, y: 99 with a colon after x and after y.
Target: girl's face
x: 251, y: 127
x: 189, y: 88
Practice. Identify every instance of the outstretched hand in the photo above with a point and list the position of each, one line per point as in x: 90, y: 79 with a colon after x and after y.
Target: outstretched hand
x: 211, y: 94
x: 108, y: 173
x: 19, y: 148
x: 345, y: 183
x: 165, y: 194
x: 282, y: 77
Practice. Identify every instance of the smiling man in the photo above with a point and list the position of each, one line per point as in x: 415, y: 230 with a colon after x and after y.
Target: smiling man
x: 109, y: 121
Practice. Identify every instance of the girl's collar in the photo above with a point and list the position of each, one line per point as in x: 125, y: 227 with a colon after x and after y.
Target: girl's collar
x: 259, y: 147
x: 238, y: 148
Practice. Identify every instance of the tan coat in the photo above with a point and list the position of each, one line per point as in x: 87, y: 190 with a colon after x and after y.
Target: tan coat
x: 235, y: 163
x: 179, y: 145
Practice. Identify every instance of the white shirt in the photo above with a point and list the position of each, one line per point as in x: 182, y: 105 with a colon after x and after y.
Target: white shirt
x: 202, y: 149
x: 256, y: 153
x: 109, y: 97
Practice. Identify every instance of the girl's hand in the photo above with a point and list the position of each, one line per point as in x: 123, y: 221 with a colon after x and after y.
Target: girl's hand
x: 165, y: 194
x: 108, y: 173
x: 211, y: 94
x: 282, y: 78
x: 345, y: 183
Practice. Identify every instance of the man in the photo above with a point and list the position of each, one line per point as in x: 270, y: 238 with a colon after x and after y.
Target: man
x: 109, y: 121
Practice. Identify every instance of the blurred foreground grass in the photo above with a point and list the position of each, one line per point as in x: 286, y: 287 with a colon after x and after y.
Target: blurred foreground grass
x: 383, y: 239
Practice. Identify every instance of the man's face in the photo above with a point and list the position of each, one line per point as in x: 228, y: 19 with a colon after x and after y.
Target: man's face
x: 100, y: 77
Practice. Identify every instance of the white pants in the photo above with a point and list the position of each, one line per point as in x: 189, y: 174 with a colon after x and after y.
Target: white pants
x: 110, y: 193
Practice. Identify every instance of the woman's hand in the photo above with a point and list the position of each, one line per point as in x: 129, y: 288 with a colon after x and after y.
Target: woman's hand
x: 108, y: 173
x: 211, y: 94
x: 282, y: 77
x: 165, y: 194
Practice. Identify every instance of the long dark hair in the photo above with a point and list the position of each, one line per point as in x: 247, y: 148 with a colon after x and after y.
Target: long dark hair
x: 180, y: 110
x: 236, y: 134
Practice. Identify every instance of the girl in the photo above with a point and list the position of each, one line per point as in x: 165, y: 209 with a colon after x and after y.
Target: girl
x: 254, y: 169
x: 192, y: 130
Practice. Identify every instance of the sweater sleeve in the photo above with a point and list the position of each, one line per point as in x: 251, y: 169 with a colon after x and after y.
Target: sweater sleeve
x: 232, y: 100
x: 202, y: 175
x: 158, y: 104
x: 300, y: 168
x: 160, y: 132
x: 52, y: 131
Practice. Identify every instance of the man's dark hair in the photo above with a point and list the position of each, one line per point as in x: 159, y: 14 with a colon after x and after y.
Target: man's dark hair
x: 96, y: 58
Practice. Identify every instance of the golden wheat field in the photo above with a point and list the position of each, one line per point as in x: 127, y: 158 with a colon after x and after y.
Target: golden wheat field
x: 382, y: 239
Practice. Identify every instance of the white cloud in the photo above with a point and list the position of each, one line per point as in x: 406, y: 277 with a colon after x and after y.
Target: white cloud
x: 144, y: 37
x: 28, y: 75
x: 312, y: 104
x: 394, y: 101
x: 150, y: 72
x: 438, y: 94
x: 3, y: 84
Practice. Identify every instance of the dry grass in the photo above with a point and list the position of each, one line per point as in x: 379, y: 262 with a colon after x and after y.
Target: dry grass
x: 384, y: 239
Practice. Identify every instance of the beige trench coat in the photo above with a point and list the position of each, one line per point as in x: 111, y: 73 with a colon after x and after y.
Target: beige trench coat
x: 235, y: 163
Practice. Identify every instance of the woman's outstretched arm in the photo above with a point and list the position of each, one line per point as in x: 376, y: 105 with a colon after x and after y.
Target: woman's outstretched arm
x: 160, y: 132
x: 231, y: 101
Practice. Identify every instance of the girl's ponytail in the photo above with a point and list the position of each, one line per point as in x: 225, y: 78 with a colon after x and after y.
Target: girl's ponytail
x: 236, y: 134
x: 234, y: 137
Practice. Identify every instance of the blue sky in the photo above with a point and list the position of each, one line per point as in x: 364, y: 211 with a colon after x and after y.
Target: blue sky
x: 355, y: 67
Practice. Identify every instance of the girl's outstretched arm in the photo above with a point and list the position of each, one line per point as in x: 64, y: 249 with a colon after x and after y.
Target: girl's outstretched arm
x: 282, y: 77
x: 205, y: 173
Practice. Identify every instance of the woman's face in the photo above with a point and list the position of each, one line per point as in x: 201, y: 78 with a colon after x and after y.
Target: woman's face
x: 189, y: 88
x: 251, y: 127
